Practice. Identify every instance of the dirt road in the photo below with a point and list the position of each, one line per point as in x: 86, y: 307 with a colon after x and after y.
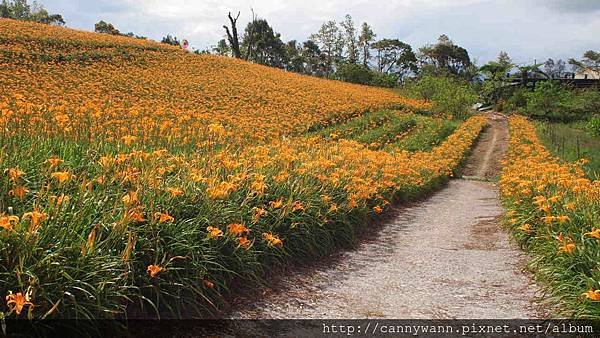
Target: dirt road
x: 444, y: 257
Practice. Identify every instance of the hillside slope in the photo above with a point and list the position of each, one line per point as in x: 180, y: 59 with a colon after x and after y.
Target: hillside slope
x: 165, y: 89
x: 138, y: 180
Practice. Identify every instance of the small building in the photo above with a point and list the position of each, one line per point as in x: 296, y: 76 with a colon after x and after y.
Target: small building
x: 587, y: 74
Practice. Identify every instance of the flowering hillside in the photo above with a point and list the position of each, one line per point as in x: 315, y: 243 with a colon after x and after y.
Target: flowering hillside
x: 142, y: 180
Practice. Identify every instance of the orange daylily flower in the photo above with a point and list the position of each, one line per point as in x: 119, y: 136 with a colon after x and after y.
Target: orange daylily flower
x: 59, y: 200
x: 214, y: 232
x: 272, y: 240
x: 208, y: 283
x: 238, y: 229
x: 244, y: 242
x: 16, y: 302
x: 175, y: 192
x: 526, y: 227
x: 128, y: 139
x: 130, y: 199
x: 163, y: 217
x: 35, y: 218
x: 297, y: 206
x: 592, y: 295
x: 18, y: 192
x: 595, y: 233
x: 54, y: 161
x: 61, y: 176
x: 8, y: 222
x: 258, y: 213
x: 14, y: 174
x: 377, y: 209
x: 565, y: 245
x: 153, y: 270
x: 276, y: 204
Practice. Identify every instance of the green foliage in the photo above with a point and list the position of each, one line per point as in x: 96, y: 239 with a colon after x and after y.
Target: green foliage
x: 21, y: 10
x: 263, y: 45
x: 392, y: 130
x: 593, y: 125
x: 590, y: 61
x: 354, y: 73
x: 170, y: 40
x: 492, y: 89
x: 384, y: 80
x: 445, y: 57
x: 449, y: 95
x: 357, y: 73
x: 395, y: 57
x: 552, y: 102
x: 572, y: 144
x: 428, y: 133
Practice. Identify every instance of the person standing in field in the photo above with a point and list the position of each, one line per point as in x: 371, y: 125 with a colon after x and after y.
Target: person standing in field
x: 185, y: 45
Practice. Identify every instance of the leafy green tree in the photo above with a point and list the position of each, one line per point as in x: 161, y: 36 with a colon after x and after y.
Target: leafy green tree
x: 547, y: 101
x: 263, y: 45
x: 331, y: 42
x: 450, y: 95
x: 445, y: 57
x: 315, y: 61
x: 295, y: 60
x: 170, y: 40
x: 350, y: 38
x: 395, y: 57
x: 365, y: 39
x: 106, y: 28
x: 499, y: 68
x: 22, y: 10
x: 531, y: 72
x: 495, y: 72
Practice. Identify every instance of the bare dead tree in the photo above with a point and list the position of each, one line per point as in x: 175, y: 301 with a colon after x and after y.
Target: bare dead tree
x: 232, y: 35
x: 251, y: 36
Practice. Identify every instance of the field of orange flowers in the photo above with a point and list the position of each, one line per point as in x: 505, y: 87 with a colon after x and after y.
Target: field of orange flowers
x: 553, y: 211
x: 139, y: 180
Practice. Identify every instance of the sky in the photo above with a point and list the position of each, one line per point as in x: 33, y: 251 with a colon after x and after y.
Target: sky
x: 528, y: 30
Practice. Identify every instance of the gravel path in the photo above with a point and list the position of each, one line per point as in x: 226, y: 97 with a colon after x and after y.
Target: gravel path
x: 444, y: 257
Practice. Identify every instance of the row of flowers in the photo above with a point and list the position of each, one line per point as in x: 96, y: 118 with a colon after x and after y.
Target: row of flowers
x: 161, y: 229
x: 553, y: 211
x: 161, y: 95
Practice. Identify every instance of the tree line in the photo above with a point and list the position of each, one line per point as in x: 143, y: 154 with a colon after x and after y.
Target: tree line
x: 21, y: 10
x: 343, y: 51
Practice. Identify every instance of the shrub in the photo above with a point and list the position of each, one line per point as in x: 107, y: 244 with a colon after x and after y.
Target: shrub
x: 353, y: 73
x: 553, y: 102
x: 449, y: 95
x: 350, y: 72
x: 383, y: 80
x: 593, y: 125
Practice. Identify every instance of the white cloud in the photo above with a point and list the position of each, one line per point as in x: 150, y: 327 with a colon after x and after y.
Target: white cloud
x: 526, y: 29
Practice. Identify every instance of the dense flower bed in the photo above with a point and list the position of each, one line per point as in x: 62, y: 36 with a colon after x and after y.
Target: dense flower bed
x: 144, y: 181
x: 553, y: 210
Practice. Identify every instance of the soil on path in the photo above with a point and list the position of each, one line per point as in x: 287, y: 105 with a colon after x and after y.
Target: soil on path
x: 444, y: 257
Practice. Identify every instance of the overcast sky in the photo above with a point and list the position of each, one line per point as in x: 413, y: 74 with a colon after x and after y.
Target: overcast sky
x: 526, y: 29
